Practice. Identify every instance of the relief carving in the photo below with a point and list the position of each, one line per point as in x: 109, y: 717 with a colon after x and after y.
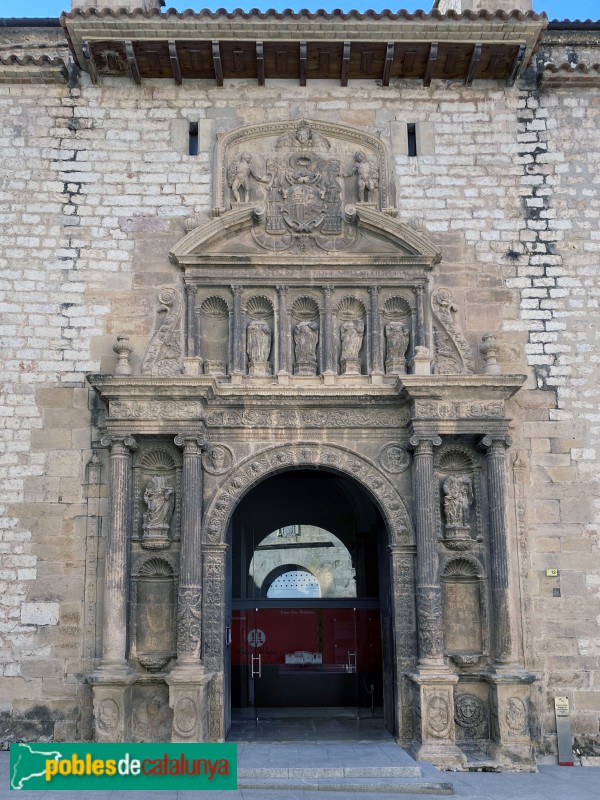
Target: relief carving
x: 163, y: 352
x: 367, y: 179
x: 185, y: 716
x: 516, y: 715
x: 107, y: 716
x: 239, y: 174
x: 189, y: 616
x: 453, y: 354
x: 429, y: 605
x: 155, y: 409
x: 341, y: 418
x: 217, y: 459
x: 458, y: 498
x: 394, y: 458
x: 151, y: 714
x: 438, y: 719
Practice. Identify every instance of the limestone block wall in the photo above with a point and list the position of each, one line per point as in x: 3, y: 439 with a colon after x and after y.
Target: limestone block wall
x: 96, y: 184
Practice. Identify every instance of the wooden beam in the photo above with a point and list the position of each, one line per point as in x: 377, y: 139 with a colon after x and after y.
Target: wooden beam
x: 345, y: 64
x: 174, y: 58
x: 87, y: 54
x: 260, y: 63
x: 133, y: 65
x: 303, y: 62
x: 433, y: 51
x: 387, y: 67
x: 517, y: 64
x: 218, y: 67
x: 475, y: 58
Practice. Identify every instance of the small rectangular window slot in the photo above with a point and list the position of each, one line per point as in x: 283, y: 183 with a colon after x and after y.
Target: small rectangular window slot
x: 411, y: 132
x: 193, y: 139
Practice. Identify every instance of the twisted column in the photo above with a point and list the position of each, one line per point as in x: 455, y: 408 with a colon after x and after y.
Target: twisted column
x: 429, y: 591
x: 501, y: 612
x: 116, y: 577
x: 189, y: 615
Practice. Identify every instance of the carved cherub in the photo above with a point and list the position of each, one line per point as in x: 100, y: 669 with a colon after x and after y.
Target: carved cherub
x: 238, y: 176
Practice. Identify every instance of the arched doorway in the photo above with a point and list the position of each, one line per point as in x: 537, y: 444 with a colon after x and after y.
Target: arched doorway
x: 310, y: 598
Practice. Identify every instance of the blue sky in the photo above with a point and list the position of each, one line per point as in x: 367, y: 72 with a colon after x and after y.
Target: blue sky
x: 556, y: 9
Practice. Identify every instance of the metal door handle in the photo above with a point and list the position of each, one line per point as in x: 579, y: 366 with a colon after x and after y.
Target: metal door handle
x: 351, y: 662
x: 256, y: 673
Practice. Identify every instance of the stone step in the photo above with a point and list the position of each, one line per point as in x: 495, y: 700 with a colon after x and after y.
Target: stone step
x: 325, y: 773
x: 366, y: 786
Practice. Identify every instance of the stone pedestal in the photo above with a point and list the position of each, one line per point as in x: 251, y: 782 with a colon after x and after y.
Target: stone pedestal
x: 395, y: 365
x: 192, y: 365
x: 112, y: 692
x: 435, y: 731
x: 510, y: 725
x: 187, y: 697
x: 350, y: 365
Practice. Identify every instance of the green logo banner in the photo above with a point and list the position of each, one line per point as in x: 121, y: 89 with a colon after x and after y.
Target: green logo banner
x: 108, y: 767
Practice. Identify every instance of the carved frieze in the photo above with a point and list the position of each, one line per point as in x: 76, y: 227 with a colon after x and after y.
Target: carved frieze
x: 155, y: 409
x: 446, y: 409
x: 311, y: 418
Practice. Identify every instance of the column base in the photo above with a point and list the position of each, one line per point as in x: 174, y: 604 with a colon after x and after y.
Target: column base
x: 510, y: 716
x: 435, y: 731
x: 188, y: 685
x: 112, y: 695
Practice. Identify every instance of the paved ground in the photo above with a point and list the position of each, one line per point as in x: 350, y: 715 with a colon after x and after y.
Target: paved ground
x: 300, y: 750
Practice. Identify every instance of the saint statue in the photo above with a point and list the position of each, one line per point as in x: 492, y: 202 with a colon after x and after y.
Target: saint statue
x: 258, y: 347
x: 159, y: 498
x: 306, y: 336
x: 458, y: 497
x: 397, y: 337
x: 239, y: 175
x: 352, y: 333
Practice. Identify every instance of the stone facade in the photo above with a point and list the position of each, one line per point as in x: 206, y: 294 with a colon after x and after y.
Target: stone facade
x: 451, y: 370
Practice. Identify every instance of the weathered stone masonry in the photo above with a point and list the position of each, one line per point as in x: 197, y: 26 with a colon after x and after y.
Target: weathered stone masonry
x: 97, y: 189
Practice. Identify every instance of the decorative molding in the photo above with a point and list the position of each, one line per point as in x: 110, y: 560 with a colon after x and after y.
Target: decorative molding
x: 454, y: 358
x: 155, y: 409
x: 309, y: 418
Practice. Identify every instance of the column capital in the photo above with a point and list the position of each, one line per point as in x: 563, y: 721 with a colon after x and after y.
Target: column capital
x: 190, y: 288
x: 236, y: 289
x: 373, y: 290
x: 282, y: 289
x: 419, y: 289
x: 424, y: 442
x: 492, y: 442
x: 327, y: 290
x: 190, y: 442
x: 124, y: 441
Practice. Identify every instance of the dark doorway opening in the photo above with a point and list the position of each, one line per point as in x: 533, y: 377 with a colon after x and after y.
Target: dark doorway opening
x: 310, y: 618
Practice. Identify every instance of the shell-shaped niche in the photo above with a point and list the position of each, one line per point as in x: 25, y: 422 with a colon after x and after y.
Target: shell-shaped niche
x: 305, y: 308
x: 396, y: 308
x: 455, y: 460
x: 259, y: 307
x: 156, y: 567
x: 157, y: 459
x: 215, y: 307
x: 462, y: 568
x: 350, y: 308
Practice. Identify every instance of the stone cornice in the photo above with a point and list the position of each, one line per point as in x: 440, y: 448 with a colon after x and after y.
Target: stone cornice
x: 459, y: 387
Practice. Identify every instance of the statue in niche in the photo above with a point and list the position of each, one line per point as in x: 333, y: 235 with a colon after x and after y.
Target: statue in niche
x: 239, y: 174
x: 160, y: 501
x: 352, y: 333
x: 458, y: 498
x: 306, y: 336
x: 397, y: 337
x: 258, y: 347
x: 367, y: 180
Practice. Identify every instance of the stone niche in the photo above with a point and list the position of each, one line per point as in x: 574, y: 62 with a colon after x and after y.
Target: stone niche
x: 464, y: 608
x: 213, y: 323
x: 153, y: 610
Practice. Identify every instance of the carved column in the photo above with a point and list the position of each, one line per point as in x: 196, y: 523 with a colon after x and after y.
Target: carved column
x: 376, y: 345
x: 502, y: 616
x: 433, y: 683
x: 190, y: 569
x: 404, y: 638
x: 188, y: 680
x: 114, y: 640
x: 284, y: 366
x: 112, y: 681
x: 238, y: 348
x: 421, y: 338
x: 329, y: 344
x: 429, y: 590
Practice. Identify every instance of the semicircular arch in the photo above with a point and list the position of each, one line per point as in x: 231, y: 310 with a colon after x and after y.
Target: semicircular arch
x: 334, y: 458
